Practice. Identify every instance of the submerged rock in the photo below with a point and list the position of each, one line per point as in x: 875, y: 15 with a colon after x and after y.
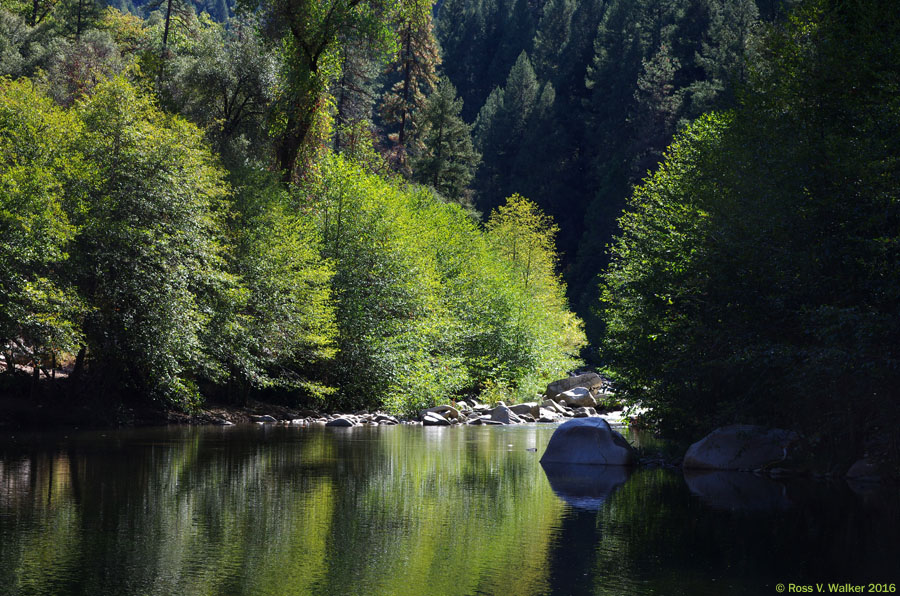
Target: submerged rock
x: 864, y: 470
x: 588, y: 441
x: 740, y: 447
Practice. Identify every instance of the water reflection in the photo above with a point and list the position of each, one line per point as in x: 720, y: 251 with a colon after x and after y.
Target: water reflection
x: 738, y: 491
x: 280, y: 510
x: 585, y: 486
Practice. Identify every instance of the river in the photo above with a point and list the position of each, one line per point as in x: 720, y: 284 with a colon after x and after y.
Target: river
x: 279, y: 510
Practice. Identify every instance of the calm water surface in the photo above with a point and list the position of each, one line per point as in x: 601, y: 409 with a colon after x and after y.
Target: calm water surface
x: 254, y: 510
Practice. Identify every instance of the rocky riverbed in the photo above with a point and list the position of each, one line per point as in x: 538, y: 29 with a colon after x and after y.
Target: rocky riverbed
x: 580, y: 396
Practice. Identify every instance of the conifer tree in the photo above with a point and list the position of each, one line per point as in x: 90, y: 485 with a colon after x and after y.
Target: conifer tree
x: 552, y: 35
x: 416, y: 64
x: 657, y: 105
x: 725, y: 53
x: 448, y: 159
x: 500, y: 128
x: 354, y: 92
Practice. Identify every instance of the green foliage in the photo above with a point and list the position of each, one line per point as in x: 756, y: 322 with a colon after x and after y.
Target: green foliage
x: 547, y: 337
x: 310, y: 34
x: 147, y: 253
x: 428, y: 305
x: 223, y: 79
x: 274, y: 328
x: 37, y: 312
x: 755, y: 276
x: 126, y: 241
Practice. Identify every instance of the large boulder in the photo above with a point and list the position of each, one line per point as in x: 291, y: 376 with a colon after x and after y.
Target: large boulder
x: 579, y: 397
x: 341, y: 421
x: 504, y: 415
x: 530, y: 408
x: 445, y: 411
x: 740, y: 447
x: 434, y: 419
x: 588, y: 441
x: 587, y: 380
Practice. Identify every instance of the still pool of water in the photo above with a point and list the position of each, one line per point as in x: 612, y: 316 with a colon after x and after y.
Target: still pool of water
x: 271, y: 510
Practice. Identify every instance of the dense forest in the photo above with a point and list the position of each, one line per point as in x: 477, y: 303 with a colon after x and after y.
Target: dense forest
x: 370, y: 203
x: 189, y: 210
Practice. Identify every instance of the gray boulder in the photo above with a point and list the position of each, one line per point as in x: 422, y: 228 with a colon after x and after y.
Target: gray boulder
x: 504, y: 415
x: 579, y: 397
x: 588, y: 441
x: 587, y: 381
x: 740, y: 447
x: 553, y: 406
x: 549, y: 415
x: 341, y: 421
x: 265, y: 418
x: 530, y: 408
x: 584, y: 412
x: 434, y: 419
x: 445, y: 411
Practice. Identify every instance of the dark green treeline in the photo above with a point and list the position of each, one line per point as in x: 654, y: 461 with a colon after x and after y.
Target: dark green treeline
x: 757, y: 276
x: 574, y: 101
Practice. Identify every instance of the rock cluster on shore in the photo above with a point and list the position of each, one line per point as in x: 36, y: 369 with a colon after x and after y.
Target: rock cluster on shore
x: 574, y: 397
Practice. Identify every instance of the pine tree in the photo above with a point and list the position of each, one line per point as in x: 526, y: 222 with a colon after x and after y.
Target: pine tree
x: 552, y: 35
x: 500, y: 129
x: 80, y: 15
x: 725, y: 53
x: 657, y: 105
x: 354, y: 92
x: 448, y: 159
x: 416, y: 63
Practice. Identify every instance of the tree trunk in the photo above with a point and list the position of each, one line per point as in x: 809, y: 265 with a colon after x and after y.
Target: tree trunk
x: 35, y: 376
x: 407, y: 79
x: 166, y: 28
x: 288, y: 146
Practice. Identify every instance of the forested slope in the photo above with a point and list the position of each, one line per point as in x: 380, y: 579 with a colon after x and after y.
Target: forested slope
x: 194, y: 209
x: 574, y: 102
